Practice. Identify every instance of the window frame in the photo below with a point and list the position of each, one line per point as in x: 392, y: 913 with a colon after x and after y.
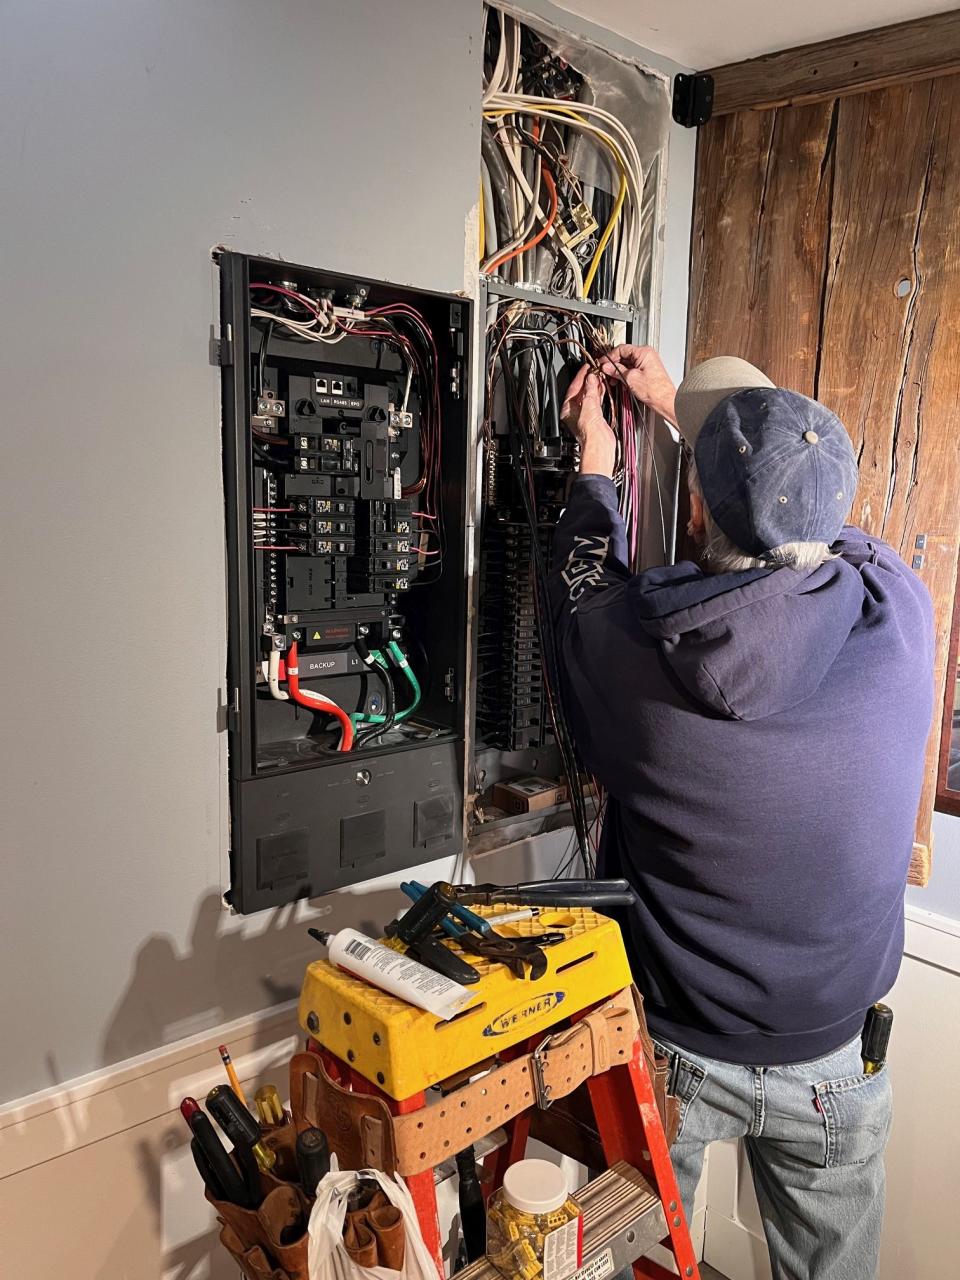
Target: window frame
x: 947, y: 799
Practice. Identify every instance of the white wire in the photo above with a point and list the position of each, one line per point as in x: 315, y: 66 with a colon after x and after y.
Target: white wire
x: 307, y: 331
x: 273, y: 676
x: 610, y: 131
x: 527, y: 191
x: 628, y: 263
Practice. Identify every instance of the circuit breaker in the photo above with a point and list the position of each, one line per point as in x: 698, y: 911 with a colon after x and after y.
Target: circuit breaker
x: 345, y: 461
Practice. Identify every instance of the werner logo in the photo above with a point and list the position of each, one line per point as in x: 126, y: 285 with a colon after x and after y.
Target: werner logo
x: 526, y: 1012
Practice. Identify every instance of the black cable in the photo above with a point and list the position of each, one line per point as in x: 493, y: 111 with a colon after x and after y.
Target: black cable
x: 390, y: 710
x: 264, y: 343
x: 551, y: 399
x: 269, y: 459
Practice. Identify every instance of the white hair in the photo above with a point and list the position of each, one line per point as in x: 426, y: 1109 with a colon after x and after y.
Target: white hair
x: 723, y: 556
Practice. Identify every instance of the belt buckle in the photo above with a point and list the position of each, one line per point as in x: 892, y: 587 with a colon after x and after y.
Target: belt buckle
x: 540, y: 1087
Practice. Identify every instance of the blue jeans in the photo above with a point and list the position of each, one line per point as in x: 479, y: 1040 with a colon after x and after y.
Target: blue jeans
x: 815, y: 1133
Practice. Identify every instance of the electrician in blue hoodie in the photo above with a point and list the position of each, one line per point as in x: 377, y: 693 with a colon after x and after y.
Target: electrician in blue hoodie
x: 758, y: 721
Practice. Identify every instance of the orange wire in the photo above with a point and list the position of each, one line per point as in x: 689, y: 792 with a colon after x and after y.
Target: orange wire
x: 505, y: 257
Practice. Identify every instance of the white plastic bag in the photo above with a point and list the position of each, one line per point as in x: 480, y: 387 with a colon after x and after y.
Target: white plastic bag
x: 327, y: 1257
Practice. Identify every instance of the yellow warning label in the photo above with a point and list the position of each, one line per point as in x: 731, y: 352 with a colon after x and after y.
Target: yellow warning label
x: 316, y: 636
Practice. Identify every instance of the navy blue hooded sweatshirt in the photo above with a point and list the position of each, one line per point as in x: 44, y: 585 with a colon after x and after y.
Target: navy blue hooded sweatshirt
x: 761, y: 738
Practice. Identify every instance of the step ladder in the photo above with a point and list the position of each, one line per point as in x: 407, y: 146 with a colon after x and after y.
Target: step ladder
x: 373, y: 1044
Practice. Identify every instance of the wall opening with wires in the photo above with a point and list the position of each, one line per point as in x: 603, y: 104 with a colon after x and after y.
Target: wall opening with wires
x: 571, y: 178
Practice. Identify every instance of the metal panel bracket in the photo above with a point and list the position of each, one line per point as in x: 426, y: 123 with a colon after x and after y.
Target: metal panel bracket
x: 692, y: 98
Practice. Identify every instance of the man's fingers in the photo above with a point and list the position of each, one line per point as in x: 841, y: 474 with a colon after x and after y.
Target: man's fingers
x: 576, y: 383
x: 625, y: 354
x: 591, y: 388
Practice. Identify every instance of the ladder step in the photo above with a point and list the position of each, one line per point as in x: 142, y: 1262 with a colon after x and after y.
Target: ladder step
x: 622, y: 1221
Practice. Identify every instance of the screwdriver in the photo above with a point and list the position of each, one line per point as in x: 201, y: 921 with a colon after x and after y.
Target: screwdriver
x: 876, y: 1037
x: 270, y: 1108
x: 239, y: 1125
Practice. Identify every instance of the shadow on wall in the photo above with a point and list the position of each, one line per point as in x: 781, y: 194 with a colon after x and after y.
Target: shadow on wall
x: 232, y: 967
x: 174, y: 993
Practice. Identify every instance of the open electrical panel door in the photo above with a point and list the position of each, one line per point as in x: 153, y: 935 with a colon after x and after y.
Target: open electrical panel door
x: 345, y: 456
x: 389, y: 534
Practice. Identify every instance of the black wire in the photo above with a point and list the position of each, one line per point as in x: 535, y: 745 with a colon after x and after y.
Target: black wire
x: 390, y: 711
x: 269, y: 459
x: 264, y: 343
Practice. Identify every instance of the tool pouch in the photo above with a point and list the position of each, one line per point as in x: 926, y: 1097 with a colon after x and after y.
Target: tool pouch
x: 658, y: 1070
x: 359, y: 1242
x: 358, y: 1126
x: 375, y: 1235
x: 244, y: 1223
x: 283, y: 1207
x: 282, y: 1141
x: 252, y: 1262
x: 386, y: 1223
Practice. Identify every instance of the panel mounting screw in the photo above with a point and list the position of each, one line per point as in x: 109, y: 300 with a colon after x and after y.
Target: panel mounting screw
x: 363, y: 778
x: 313, y: 1022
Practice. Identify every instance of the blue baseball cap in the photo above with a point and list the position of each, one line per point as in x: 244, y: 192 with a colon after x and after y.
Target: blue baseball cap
x: 774, y: 466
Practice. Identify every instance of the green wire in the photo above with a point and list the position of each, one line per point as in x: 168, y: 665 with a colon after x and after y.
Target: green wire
x: 399, y: 657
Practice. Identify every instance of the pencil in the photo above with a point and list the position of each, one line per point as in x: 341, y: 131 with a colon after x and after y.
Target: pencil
x: 232, y: 1073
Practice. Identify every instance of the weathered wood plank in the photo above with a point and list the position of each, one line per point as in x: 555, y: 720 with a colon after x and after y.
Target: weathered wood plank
x: 890, y: 336
x: 908, y: 51
x: 826, y: 250
x: 759, y: 239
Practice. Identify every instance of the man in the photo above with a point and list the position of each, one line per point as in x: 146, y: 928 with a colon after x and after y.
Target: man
x: 759, y: 724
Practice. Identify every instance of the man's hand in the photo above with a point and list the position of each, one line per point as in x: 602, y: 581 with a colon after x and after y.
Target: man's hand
x: 642, y: 370
x: 582, y: 413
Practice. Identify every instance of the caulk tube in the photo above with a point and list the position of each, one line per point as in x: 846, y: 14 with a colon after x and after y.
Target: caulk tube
x: 394, y: 972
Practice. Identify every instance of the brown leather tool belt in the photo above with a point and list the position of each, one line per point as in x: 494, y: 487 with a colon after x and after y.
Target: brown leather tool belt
x: 363, y: 1133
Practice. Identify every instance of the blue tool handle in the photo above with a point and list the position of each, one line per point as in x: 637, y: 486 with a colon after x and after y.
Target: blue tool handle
x: 415, y: 891
x: 463, y: 914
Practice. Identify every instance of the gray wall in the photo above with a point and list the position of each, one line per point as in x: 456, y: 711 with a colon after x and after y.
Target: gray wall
x: 135, y: 136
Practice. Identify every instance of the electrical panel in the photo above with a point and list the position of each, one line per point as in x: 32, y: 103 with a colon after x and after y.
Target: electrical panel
x: 345, y: 454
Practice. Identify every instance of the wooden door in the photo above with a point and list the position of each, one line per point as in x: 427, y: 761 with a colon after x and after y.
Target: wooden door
x: 826, y: 250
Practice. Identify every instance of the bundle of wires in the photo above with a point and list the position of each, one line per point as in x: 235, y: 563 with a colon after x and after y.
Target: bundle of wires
x: 532, y: 350
x: 533, y: 110
x: 318, y: 320
x: 556, y: 336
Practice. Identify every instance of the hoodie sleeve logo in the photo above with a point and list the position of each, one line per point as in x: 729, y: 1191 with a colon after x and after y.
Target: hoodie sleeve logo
x: 584, y: 567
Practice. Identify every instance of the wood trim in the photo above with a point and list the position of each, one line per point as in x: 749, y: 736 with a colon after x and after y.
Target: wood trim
x: 947, y: 800
x: 915, y: 50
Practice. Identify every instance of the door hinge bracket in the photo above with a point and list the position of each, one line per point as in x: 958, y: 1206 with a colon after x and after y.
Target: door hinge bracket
x: 221, y: 349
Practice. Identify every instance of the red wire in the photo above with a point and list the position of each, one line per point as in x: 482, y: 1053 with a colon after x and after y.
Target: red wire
x: 330, y: 708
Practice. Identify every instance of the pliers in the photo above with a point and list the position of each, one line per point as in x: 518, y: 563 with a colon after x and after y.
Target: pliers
x: 475, y: 934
